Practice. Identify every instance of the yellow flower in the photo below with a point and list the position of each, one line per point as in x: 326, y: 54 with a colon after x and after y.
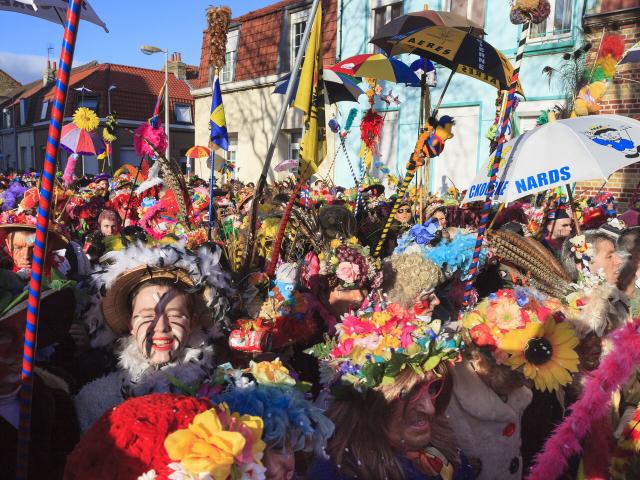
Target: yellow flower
x: 86, y: 119
x: 335, y: 243
x: 380, y: 318
x: 505, y: 314
x: 545, y: 351
x: 353, y: 241
x: 205, y: 447
x: 472, y: 319
x: 271, y: 373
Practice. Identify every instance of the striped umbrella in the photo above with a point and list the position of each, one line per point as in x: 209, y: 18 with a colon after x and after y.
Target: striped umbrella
x: 198, y: 151
x: 337, y: 87
x: 377, y: 66
x: 79, y: 141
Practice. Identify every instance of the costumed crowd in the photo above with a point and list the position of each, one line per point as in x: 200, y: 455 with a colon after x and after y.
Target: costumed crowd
x: 161, y: 354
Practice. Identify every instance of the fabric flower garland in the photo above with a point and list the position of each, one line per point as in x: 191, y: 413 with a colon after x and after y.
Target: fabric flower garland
x: 86, y: 119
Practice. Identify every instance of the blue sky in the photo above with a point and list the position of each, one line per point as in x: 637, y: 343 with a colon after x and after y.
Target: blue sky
x: 173, y: 24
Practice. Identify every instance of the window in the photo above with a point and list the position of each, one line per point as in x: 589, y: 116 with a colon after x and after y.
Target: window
x: 294, y: 144
x: 228, y: 71
x: 23, y: 111
x: 471, y: 9
x: 6, y: 118
x: 45, y: 107
x: 128, y: 155
x: 233, y: 148
x: 558, y: 24
x: 298, y: 24
x: 88, y: 102
x: 384, y: 12
x: 183, y: 113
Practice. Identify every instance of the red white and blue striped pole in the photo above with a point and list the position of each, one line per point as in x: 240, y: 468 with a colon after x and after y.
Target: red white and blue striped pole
x: 42, y: 224
x: 502, y: 129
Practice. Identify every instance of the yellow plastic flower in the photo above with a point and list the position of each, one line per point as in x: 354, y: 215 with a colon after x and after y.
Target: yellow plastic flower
x: 472, y: 319
x: 86, y: 119
x: 273, y: 372
x: 505, y: 315
x: 205, y: 447
x: 545, y: 351
x: 380, y: 318
x: 335, y: 243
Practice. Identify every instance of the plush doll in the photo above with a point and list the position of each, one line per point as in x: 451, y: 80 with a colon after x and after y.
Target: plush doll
x: 431, y: 142
x: 588, y: 100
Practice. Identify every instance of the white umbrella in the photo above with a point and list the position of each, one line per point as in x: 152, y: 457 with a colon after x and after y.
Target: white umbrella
x: 53, y: 10
x: 561, y: 152
x: 289, y: 164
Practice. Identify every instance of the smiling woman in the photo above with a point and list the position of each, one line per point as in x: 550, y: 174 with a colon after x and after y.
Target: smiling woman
x: 164, y: 304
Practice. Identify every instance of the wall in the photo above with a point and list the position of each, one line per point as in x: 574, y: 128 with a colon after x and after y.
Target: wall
x: 622, y: 97
x: 470, y: 146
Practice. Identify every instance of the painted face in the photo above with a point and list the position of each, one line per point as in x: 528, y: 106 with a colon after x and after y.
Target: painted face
x: 606, y: 260
x: 403, y: 214
x: 11, y: 346
x: 560, y: 229
x: 441, y: 218
x: 280, y: 464
x: 426, y: 304
x: 412, y: 415
x: 108, y: 227
x: 20, y: 245
x: 160, y: 323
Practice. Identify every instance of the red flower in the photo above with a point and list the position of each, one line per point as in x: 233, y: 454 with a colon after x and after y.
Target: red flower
x: 481, y: 336
x: 509, y: 429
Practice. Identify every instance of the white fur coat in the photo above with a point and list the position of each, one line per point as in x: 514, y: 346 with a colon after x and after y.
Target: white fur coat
x: 486, y: 427
x: 136, y: 377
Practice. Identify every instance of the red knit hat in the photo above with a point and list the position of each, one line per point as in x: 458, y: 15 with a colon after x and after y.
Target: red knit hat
x: 128, y: 440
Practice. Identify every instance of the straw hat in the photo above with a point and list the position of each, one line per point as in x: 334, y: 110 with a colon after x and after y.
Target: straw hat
x: 56, y: 239
x: 198, y: 273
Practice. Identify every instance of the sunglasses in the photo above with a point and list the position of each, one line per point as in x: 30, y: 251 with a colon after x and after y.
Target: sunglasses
x: 433, y: 388
x: 404, y: 210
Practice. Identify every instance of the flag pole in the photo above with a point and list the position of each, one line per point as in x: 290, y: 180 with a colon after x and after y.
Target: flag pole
x: 42, y: 225
x: 262, y: 181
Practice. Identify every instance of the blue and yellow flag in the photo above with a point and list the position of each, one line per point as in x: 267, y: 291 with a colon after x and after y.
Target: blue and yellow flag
x: 217, y: 121
x: 310, y: 100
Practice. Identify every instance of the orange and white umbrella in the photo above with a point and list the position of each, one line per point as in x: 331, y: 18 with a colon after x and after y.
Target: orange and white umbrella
x: 198, y: 151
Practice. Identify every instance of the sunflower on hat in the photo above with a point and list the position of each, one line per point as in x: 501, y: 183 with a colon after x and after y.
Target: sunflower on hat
x: 526, y: 331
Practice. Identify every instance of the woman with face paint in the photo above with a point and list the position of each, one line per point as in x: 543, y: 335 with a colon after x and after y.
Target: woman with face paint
x: 162, y: 304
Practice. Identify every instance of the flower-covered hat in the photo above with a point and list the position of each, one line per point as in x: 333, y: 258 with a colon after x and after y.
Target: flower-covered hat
x: 349, y: 265
x: 371, y: 349
x: 526, y: 331
x: 168, y: 437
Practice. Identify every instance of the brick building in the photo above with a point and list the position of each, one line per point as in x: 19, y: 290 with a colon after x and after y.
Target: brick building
x: 131, y: 92
x: 623, y: 96
x: 261, y: 48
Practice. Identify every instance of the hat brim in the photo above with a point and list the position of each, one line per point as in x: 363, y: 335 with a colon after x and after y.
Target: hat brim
x: 55, y: 240
x: 115, y: 305
x: 56, y: 312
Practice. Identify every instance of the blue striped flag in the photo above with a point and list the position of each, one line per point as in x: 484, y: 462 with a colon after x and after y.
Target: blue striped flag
x: 219, y: 135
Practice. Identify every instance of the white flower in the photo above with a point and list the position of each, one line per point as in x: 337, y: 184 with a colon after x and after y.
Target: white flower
x: 150, y: 475
x: 180, y: 473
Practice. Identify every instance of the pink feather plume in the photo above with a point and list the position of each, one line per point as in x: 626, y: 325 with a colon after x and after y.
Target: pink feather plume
x: 156, y: 137
x: 67, y: 176
x: 615, y: 370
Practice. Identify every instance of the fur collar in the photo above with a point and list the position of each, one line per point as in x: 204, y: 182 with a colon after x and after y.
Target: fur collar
x: 479, y: 401
x: 137, y: 368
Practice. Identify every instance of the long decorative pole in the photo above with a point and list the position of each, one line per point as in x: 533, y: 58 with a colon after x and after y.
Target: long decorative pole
x: 42, y: 225
x: 262, y: 181
x: 502, y: 129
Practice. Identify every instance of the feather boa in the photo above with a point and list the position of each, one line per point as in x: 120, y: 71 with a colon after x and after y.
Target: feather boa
x: 69, y: 169
x: 614, y: 370
x: 155, y: 136
x: 11, y: 195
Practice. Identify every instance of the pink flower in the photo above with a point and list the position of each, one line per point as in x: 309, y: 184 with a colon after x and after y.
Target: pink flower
x: 343, y: 349
x: 352, y: 325
x: 347, y: 272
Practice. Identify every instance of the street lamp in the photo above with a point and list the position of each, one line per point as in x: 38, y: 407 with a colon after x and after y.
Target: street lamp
x: 150, y: 50
x: 112, y: 87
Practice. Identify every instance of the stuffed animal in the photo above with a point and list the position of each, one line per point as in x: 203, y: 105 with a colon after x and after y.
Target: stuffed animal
x: 431, y: 142
x: 588, y: 100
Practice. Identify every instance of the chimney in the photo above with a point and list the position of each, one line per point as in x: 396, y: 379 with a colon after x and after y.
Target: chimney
x: 49, y: 74
x: 176, y: 66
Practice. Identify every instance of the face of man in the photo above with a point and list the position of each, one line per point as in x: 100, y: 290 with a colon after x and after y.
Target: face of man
x: 403, y: 214
x: 559, y: 229
x: 441, y: 218
x: 108, y: 226
x: 11, y: 346
x: 606, y: 260
x: 160, y: 323
x: 20, y: 245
